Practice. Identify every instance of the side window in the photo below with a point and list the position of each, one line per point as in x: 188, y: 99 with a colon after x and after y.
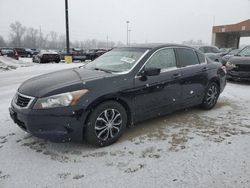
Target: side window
x: 162, y: 59
x: 187, y: 57
x: 201, y: 57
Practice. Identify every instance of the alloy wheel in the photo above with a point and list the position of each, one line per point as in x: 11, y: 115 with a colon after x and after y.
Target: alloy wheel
x: 108, y: 124
x: 212, y: 95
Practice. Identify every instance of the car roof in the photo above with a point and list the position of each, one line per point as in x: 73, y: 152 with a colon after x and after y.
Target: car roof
x: 48, y: 52
x: 199, y: 46
x: 155, y: 45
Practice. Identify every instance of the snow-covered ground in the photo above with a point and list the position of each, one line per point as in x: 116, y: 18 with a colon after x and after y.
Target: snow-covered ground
x: 189, y: 148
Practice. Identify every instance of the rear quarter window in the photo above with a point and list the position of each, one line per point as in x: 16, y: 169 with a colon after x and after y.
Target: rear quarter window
x: 186, y: 57
x: 201, y: 57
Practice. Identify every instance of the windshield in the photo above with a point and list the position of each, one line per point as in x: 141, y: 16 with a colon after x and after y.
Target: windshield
x: 211, y: 49
x: 234, y: 52
x: 245, y: 52
x: 117, y: 60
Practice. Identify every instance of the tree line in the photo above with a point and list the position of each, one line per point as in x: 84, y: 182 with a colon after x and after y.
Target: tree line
x: 28, y: 37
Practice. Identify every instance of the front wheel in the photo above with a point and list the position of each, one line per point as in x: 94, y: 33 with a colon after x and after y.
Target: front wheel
x: 211, y: 96
x: 106, y: 124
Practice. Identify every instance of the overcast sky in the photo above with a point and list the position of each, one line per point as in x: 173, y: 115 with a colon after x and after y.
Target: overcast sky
x: 150, y: 20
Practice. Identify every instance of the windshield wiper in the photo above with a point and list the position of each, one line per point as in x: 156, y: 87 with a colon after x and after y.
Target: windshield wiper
x: 104, y: 70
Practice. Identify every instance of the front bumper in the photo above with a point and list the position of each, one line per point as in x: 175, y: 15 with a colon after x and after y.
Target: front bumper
x: 57, y: 125
x: 238, y: 75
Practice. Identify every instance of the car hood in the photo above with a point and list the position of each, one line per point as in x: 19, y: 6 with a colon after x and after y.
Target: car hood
x: 213, y: 56
x: 59, y: 82
x: 238, y: 60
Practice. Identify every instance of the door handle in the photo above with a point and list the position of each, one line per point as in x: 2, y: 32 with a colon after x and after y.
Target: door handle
x: 176, y: 75
x: 204, y: 69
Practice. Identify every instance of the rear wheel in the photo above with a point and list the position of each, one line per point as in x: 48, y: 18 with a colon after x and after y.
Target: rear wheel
x: 106, y: 124
x: 211, y: 96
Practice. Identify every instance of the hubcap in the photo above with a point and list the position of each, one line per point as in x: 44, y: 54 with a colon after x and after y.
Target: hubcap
x: 108, y: 124
x: 212, y: 95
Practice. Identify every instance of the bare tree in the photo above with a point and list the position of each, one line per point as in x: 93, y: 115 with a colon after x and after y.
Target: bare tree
x: 16, y: 33
x: 35, y: 38
x: 62, y: 42
x: 31, y: 38
x: 53, y: 43
x: 2, y: 42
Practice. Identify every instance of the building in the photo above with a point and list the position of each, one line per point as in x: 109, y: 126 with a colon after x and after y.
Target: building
x: 228, y: 36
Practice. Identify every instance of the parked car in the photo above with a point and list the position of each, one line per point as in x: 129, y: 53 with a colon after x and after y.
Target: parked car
x: 230, y: 54
x: 9, y: 52
x: 124, y: 86
x: 46, y: 57
x: 35, y: 51
x: 76, y: 53
x: 92, y: 54
x: 211, y: 52
x: 29, y: 52
x: 21, y: 52
x: 238, y: 66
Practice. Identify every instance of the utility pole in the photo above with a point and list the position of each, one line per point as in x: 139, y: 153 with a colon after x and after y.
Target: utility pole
x: 129, y: 35
x: 67, y: 25
x: 127, y: 31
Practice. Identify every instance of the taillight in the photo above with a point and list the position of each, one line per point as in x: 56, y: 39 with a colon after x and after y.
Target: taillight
x: 224, y: 69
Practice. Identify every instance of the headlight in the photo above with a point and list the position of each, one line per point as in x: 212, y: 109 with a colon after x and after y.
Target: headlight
x: 60, y: 100
x: 230, y: 65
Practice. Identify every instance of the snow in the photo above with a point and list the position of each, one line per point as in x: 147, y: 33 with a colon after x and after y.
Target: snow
x: 189, y: 148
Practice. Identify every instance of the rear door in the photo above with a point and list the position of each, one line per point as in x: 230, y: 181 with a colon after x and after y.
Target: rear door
x: 159, y: 94
x: 194, y: 75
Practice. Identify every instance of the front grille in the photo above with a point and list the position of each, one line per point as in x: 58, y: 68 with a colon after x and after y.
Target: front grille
x: 23, y: 101
x: 243, y: 68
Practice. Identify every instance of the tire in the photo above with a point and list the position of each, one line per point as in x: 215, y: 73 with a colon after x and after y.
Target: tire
x: 106, y: 124
x: 211, y: 96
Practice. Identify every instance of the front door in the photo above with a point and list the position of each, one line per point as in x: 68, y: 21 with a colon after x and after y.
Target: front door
x: 160, y: 94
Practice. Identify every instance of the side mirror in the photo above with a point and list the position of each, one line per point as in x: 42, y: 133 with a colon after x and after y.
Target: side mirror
x: 152, y: 71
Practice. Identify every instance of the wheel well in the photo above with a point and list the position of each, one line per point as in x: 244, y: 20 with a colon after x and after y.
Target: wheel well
x: 215, y: 80
x: 120, y: 101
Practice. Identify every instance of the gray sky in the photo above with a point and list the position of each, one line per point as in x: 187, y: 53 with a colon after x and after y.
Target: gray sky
x: 151, y: 20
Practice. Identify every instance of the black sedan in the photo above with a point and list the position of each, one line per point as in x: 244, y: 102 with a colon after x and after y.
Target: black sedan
x: 46, y: 57
x: 126, y: 85
x: 238, y: 66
